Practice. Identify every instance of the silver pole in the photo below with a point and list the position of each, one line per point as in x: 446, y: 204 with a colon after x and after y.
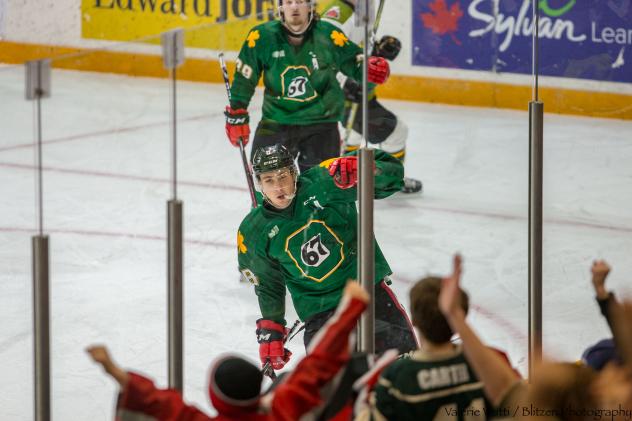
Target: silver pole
x: 174, y: 294
x: 41, y: 327
x: 174, y: 146
x: 536, y: 48
x: 38, y: 86
x: 536, y: 159
x: 366, y: 247
x: 365, y: 76
x: 173, y: 56
x: 40, y: 177
x: 366, y: 182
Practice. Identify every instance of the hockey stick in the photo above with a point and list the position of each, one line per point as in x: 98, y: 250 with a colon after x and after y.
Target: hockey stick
x: 267, y: 369
x: 354, y: 106
x: 244, y: 160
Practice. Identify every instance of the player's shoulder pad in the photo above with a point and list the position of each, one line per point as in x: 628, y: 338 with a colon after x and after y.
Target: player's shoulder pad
x: 254, y: 217
x: 250, y: 231
x: 259, y: 34
x: 335, y: 35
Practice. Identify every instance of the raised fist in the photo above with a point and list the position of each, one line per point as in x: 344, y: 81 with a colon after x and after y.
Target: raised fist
x: 379, y: 70
x: 344, y: 170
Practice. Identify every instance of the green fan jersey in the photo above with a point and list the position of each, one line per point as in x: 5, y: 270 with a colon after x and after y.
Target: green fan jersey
x: 311, y: 246
x: 300, y: 81
x: 426, y: 387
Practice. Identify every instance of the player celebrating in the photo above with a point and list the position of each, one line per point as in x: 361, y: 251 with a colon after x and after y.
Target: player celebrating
x: 386, y: 131
x: 299, y: 57
x: 304, y: 237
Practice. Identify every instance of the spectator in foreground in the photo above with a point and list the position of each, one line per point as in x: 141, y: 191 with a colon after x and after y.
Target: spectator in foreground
x: 559, y: 391
x: 234, y: 384
x: 437, y: 381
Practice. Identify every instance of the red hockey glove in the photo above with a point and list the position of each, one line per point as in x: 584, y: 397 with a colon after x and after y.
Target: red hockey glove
x: 344, y: 170
x: 270, y: 336
x: 237, y: 125
x: 379, y: 70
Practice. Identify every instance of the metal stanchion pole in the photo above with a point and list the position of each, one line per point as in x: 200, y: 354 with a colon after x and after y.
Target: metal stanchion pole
x: 41, y: 327
x: 536, y: 155
x: 175, y: 295
x: 173, y: 56
x: 366, y: 247
x: 366, y: 187
x: 38, y: 87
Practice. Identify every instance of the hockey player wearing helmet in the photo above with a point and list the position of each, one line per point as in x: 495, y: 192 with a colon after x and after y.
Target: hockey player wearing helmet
x: 301, y: 60
x: 304, y: 238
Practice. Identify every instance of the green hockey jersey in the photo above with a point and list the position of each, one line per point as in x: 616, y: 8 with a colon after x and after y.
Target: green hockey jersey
x: 311, y: 246
x: 427, y: 387
x: 300, y: 81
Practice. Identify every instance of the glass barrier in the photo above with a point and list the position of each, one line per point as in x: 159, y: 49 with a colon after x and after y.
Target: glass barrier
x: 473, y: 161
x: 108, y: 167
x: 587, y: 195
x: 221, y: 308
x: 107, y: 152
x: 19, y: 222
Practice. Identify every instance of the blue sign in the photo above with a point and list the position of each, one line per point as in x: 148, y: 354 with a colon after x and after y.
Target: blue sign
x: 588, y: 39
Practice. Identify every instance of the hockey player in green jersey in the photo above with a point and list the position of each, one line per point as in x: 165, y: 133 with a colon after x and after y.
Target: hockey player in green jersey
x: 304, y: 237
x: 303, y: 61
x: 386, y: 131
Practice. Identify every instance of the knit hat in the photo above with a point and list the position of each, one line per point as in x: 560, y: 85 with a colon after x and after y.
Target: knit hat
x: 600, y: 354
x: 234, y: 385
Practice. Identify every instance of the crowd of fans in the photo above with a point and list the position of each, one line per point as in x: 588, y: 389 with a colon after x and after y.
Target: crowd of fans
x: 453, y: 375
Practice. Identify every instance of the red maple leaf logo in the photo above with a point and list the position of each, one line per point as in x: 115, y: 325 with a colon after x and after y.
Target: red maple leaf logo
x: 443, y: 20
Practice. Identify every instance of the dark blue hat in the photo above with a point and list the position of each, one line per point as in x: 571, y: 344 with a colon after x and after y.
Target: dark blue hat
x: 600, y: 354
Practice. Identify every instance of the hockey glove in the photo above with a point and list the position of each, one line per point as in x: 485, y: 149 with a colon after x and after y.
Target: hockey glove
x: 344, y: 170
x: 270, y: 336
x: 237, y: 125
x: 379, y: 70
x: 352, y: 90
x: 388, y: 47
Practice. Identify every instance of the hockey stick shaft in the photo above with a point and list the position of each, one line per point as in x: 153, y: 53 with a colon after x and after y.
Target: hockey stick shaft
x: 353, y: 112
x: 244, y: 160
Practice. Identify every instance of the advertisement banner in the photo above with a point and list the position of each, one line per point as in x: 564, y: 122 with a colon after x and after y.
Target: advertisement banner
x: 213, y: 24
x: 588, y: 39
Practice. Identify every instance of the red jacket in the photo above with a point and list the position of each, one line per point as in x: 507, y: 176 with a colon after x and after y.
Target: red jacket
x: 297, y: 395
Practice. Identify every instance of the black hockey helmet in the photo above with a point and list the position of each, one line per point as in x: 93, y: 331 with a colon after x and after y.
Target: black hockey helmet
x: 309, y: 20
x: 272, y: 157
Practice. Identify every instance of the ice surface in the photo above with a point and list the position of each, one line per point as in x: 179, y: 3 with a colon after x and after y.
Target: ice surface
x: 106, y: 184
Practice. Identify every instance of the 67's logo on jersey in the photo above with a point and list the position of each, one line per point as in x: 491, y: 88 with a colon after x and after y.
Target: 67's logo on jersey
x: 320, y: 255
x: 314, y: 252
x: 295, y: 85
